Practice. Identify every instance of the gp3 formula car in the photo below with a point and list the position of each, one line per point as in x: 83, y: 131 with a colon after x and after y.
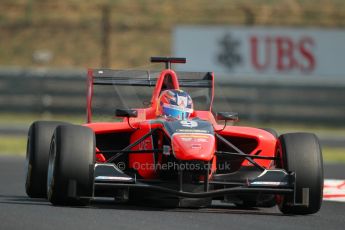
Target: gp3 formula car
x: 174, y: 151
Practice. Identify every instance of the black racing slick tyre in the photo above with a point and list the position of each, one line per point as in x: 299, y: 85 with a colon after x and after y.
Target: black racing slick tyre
x: 37, y: 154
x: 301, y: 153
x: 271, y: 131
x: 70, y: 178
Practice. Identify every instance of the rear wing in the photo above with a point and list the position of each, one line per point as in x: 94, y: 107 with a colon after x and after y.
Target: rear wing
x: 148, y: 78
x: 200, y: 84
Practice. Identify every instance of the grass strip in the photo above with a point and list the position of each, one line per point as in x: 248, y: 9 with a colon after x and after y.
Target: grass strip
x: 13, y: 145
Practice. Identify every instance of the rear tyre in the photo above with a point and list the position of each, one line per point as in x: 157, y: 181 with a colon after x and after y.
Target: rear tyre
x: 251, y: 201
x: 70, y: 178
x: 37, y: 154
x: 262, y: 200
x: 271, y: 131
x: 246, y: 201
x: 301, y: 153
x: 268, y: 201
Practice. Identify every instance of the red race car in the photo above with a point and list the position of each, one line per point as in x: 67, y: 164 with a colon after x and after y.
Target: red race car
x: 174, y: 151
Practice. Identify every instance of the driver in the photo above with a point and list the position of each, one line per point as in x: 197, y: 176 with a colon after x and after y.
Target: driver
x: 175, y: 103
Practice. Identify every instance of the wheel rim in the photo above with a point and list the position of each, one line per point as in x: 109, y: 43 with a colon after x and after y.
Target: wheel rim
x: 279, y: 199
x: 28, y: 166
x: 51, y: 169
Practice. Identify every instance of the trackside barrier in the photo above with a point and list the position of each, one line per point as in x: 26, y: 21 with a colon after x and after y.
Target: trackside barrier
x: 317, y: 100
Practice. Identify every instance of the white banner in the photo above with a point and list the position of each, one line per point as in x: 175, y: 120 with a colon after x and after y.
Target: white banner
x: 261, y: 51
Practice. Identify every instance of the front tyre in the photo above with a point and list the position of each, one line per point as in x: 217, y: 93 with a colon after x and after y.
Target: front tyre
x: 70, y: 178
x: 301, y: 153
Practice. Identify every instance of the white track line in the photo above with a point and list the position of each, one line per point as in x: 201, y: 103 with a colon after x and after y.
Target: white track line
x: 334, y: 190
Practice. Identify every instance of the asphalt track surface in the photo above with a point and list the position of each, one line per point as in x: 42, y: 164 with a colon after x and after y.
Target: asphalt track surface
x: 17, y: 211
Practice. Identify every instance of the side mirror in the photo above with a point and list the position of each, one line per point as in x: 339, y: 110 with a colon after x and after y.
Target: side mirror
x: 126, y: 113
x: 227, y: 116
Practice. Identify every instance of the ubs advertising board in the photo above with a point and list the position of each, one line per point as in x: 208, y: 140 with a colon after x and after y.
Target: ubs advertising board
x: 261, y: 51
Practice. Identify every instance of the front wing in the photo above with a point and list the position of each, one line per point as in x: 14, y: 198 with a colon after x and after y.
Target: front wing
x: 109, y: 178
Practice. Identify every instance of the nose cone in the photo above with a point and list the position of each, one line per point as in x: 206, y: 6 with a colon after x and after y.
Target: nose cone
x: 193, y: 146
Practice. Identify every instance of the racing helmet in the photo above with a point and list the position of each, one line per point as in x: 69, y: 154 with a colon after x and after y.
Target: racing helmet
x: 175, y: 103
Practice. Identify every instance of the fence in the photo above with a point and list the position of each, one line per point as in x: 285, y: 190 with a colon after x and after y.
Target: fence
x: 319, y: 101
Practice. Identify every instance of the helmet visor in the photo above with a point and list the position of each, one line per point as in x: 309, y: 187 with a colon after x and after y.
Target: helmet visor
x: 176, y: 111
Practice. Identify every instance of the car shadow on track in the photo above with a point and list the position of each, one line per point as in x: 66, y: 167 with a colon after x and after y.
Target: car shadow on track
x: 109, y: 204
x: 22, y: 200
x: 215, y: 208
